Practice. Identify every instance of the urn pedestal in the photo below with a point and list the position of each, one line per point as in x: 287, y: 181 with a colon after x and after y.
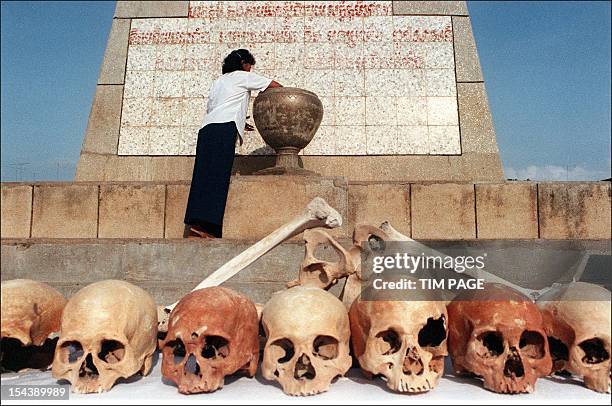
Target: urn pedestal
x: 287, y: 119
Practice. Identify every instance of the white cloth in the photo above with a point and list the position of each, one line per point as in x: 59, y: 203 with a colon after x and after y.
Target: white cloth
x: 228, y: 97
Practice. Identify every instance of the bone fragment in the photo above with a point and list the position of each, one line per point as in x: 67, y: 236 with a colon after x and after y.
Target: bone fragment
x: 319, y: 273
x: 474, y: 273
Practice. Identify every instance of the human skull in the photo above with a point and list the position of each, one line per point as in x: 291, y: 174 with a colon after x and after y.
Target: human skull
x: 108, y: 331
x: 498, y: 334
x: 307, y: 345
x: 31, y: 313
x: 577, y: 322
x: 318, y: 272
x: 212, y: 333
x: 404, y: 341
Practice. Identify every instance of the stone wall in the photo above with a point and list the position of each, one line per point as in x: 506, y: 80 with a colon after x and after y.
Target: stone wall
x: 400, y: 80
x: 169, y: 269
x: 433, y: 211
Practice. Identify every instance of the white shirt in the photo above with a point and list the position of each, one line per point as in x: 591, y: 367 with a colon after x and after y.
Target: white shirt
x: 228, y: 97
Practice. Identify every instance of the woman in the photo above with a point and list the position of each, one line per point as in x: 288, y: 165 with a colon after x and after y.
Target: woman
x: 228, y: 101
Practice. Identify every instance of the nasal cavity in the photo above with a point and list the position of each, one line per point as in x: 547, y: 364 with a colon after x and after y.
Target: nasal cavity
x: 412, y: 362
x: 191, y: 366
x: 513, y: 368
x: 88, y: 369
x: 304, y: 368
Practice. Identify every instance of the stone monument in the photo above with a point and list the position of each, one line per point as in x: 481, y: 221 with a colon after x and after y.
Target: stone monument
x: 406, y: 137
x: 400, y: 83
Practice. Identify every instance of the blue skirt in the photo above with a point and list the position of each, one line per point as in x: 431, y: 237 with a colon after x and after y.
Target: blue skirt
x: 211, y: 177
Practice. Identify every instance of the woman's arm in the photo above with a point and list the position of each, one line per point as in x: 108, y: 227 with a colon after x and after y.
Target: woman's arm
x: 272, y: 84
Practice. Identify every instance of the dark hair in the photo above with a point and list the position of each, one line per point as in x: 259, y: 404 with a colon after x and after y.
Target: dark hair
x: 235, y: 59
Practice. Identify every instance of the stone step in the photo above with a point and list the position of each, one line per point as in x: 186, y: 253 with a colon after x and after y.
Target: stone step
x: 258, y: 205
x: 169, y: 268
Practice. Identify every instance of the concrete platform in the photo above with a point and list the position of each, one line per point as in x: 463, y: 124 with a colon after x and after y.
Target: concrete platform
x: 257, y: 205
x: 168, y: 269
x: 354, y: 386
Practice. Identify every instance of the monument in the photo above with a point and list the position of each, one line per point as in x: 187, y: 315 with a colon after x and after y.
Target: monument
x: 406, y: 137
x: 400, y: 82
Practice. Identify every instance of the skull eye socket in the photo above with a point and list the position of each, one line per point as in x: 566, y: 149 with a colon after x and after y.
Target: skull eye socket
x: 558, y: 349
x: 389, y: 342
x: 282, y: 350
x: 71, y: 351
x: 317, y: 270
x: 532, y: 344
x: 111, y: 351
x: 325, y: 347
x: 493, y: 342
x: 376, y: 243
x: 433, y: 334
x: 178, y: 350
x: 215, y: 347
x: 15, y: 357
x: 594, y: 351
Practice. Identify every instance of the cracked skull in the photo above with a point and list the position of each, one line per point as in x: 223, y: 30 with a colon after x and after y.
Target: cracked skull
x: 212, y: 333
x: 404, y: 341
x: 31, y: 314
x: 577, y: 321
x: 108, y: 331
x: 498, y: 334
x: 307, y: 340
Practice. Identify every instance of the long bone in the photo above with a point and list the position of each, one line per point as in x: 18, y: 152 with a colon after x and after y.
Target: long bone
x: 489, y: 277
x: 316, y: 214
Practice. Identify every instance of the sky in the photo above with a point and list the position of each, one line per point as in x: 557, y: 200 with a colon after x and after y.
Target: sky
x: 546, y: 67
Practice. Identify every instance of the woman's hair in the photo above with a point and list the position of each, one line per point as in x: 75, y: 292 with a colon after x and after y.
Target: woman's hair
x: 235, y: 59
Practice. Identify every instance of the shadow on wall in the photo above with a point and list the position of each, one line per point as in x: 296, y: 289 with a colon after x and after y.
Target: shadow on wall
x: 255, y: 161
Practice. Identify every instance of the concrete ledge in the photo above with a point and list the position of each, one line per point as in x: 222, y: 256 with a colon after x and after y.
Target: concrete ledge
x: 373, y: 168
x: 102, y: 133
x: 65, y: 211
x: 258, y: 205
x: 170, y: 168
x: 176, y: 204
x: 470, y: 166
x: 131, y: 211
x: 113, y: 168
x: 378, y: 202
x: 147, y: 9
x: 16, y: 211
x: 467, y: 63
x: 168, y: 269
x: 479, y: 166
x: 575, y: 210
x: 112, y: 71
x: 443, y: 211
x: 430, y: 8
x: 507, y: 211
x: 379, y: 168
